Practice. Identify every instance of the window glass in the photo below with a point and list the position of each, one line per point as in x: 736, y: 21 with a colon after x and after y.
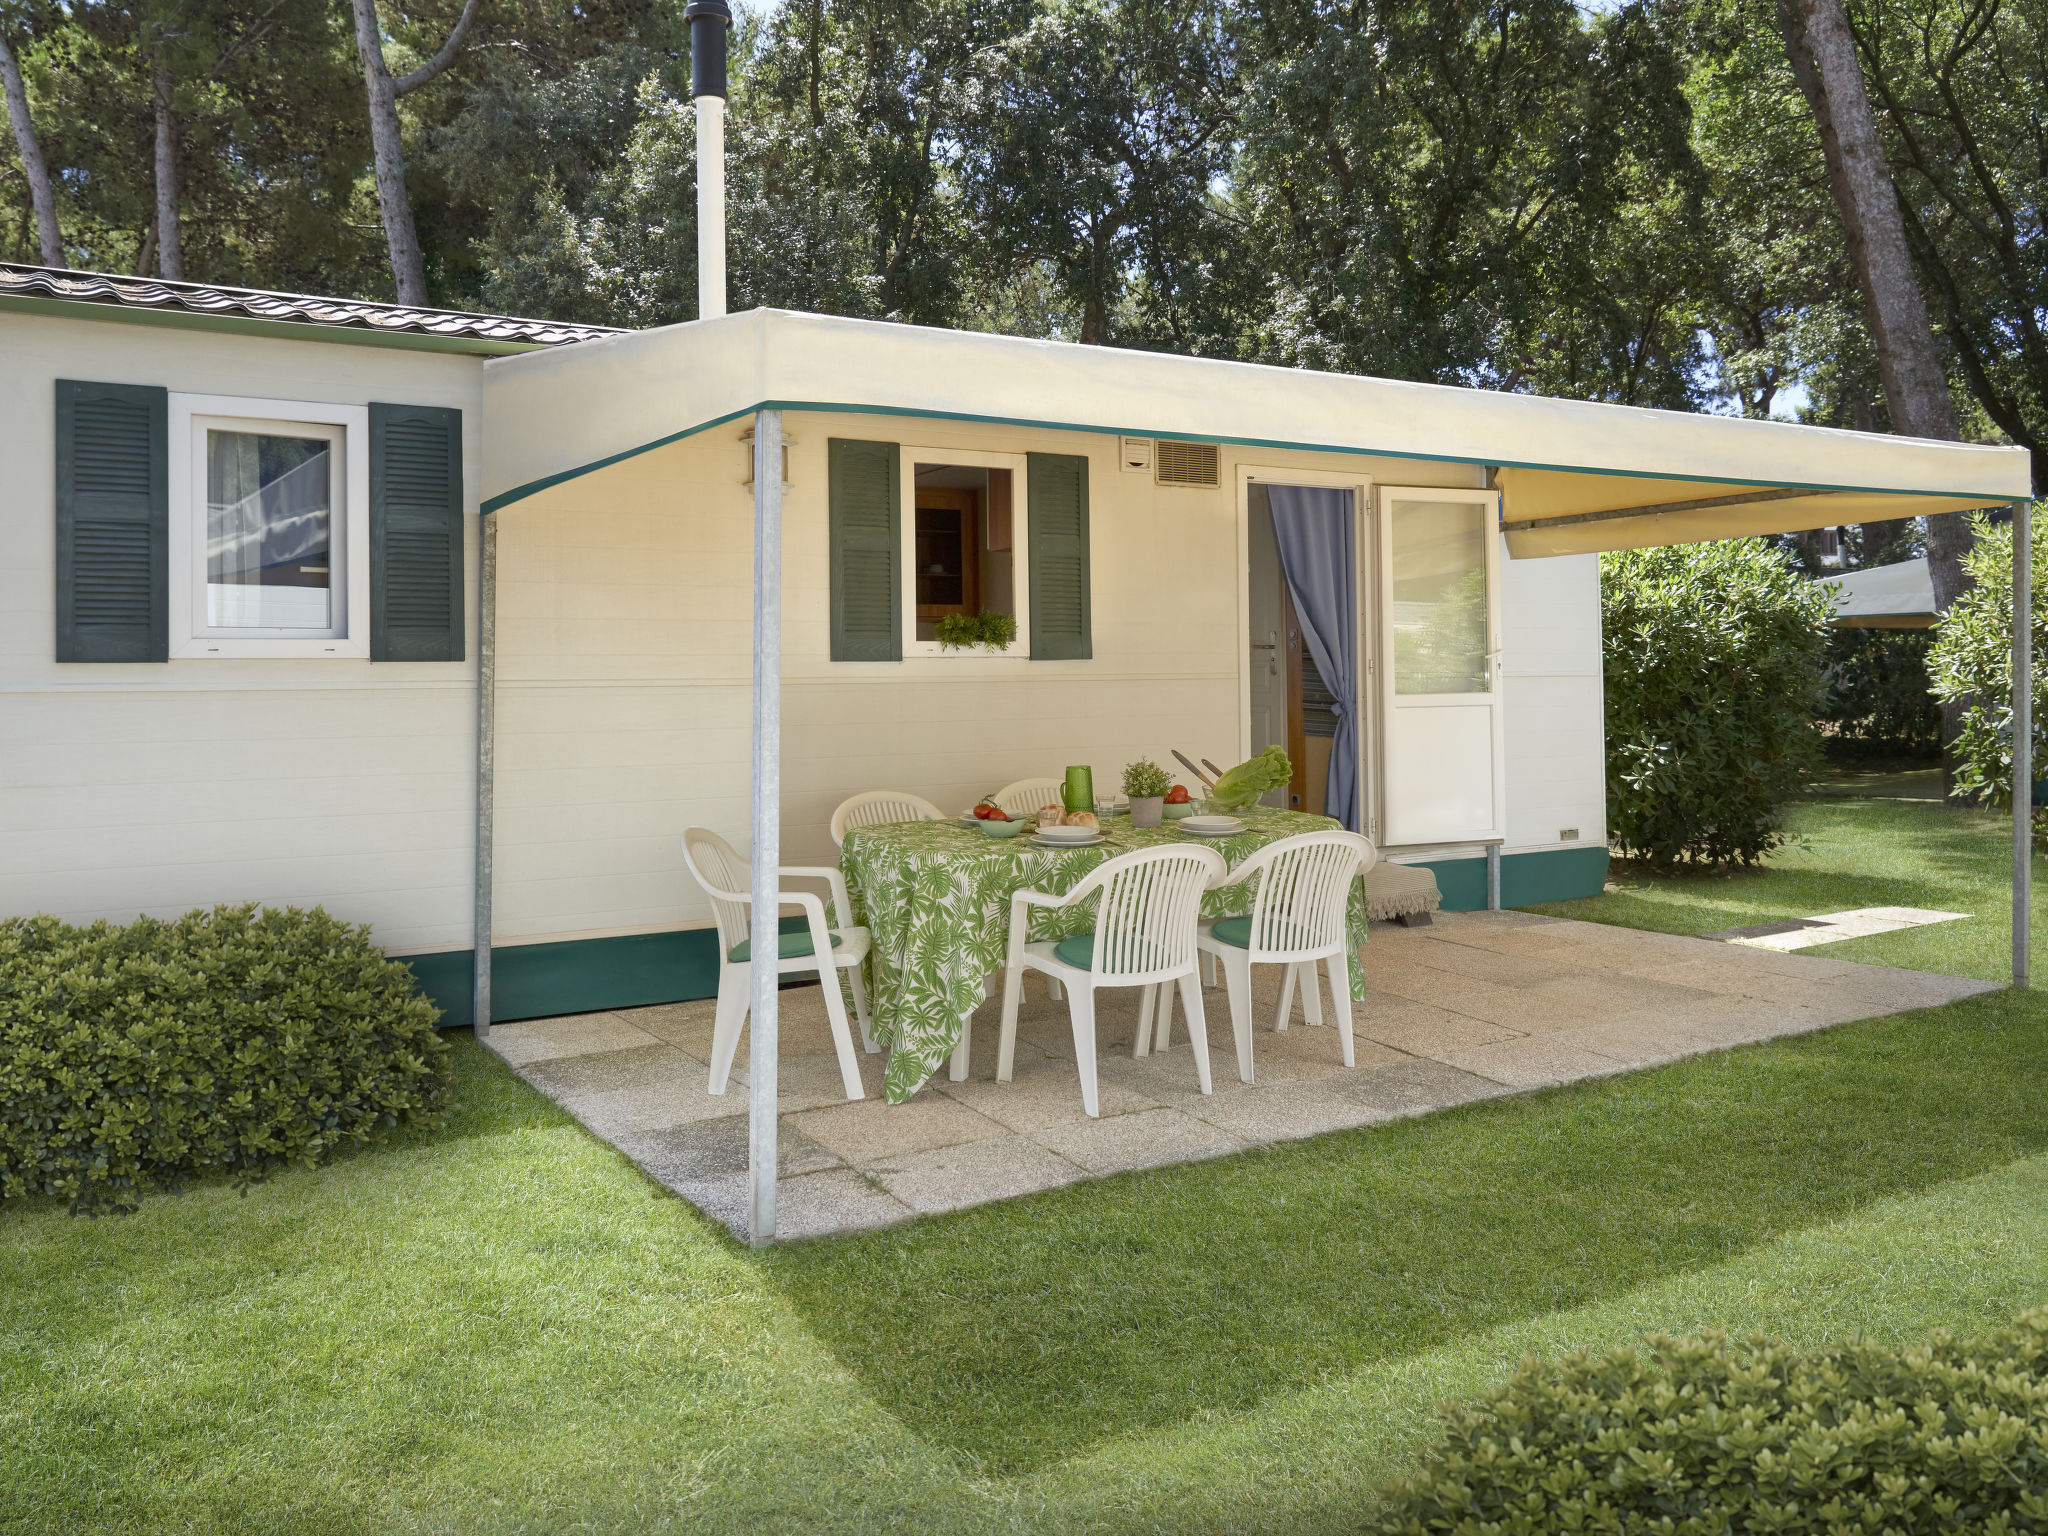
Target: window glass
x: 1439, y: 578
x: 963, y: 555
x: 269, y: 531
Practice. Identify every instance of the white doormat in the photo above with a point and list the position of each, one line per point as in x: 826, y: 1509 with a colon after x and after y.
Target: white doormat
x: 1830, y: 927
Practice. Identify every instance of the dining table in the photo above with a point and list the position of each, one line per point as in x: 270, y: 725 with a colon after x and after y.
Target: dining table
x: 935, y: 898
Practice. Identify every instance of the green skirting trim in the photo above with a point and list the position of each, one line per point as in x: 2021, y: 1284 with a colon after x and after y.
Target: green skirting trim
x: 1551, y: 874
x: 538, y: 981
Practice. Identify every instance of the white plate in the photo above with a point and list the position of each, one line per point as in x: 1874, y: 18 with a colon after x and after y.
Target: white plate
x: 1210, y: 826
x: 1065, y: 842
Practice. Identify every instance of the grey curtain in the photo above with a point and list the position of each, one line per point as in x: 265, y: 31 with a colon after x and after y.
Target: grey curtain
x: 1313, y: 525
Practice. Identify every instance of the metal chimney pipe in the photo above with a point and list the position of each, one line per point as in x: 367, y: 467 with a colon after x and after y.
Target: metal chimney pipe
x: 709, y: 21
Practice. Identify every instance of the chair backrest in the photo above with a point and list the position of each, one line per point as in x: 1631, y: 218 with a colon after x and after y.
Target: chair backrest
x: 1145, y: 915
x: 1027, y: 797
x: 727, y: 879
x: 878, y: 806
x: 1304, y: 890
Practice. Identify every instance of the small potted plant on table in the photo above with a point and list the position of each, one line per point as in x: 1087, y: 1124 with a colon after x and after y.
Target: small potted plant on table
x: 1145, y: 785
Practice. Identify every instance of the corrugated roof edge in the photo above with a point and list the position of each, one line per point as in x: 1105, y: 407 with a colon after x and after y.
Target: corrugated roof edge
x: 359, y: 318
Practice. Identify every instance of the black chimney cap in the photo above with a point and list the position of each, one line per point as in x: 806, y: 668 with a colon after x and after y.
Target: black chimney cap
x: 709, y: 21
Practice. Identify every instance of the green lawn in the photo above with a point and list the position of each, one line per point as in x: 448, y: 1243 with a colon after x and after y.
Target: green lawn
x: 503, y: 1327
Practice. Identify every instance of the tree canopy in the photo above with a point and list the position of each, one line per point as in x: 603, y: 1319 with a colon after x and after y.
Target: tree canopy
x: 1624, y: 203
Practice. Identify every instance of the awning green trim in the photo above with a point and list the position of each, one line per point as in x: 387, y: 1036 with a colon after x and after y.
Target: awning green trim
x: 546, y: 482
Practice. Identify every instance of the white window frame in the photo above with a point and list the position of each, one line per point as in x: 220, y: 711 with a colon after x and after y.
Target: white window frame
x: 349, y: 557
x: 1020, y: 551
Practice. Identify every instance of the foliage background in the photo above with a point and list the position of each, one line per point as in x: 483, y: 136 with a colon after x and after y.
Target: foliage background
x: 1971, y: 661
x: 1712, y: 658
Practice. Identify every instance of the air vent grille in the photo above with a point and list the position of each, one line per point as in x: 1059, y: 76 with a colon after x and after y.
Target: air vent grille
x: 1189, y: 464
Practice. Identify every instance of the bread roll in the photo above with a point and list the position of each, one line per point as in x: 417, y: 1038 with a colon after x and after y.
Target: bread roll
x: 1081, y: 819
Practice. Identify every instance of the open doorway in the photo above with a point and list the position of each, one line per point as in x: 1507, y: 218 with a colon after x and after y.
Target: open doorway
x: 1303, y: 668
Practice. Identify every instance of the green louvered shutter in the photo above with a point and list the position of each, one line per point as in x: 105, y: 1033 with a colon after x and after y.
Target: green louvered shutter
x: 113, y: 522
x: 415, y: 533
x: 1061, y: 629
x: 867, y: 552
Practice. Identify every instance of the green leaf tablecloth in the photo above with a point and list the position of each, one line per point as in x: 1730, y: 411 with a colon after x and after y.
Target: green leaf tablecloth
x: 936, y: 897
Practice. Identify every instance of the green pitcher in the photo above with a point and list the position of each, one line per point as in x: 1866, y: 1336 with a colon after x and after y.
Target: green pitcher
x: 1079, y: 795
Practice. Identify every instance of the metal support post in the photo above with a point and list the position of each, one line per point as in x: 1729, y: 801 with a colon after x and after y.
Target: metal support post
x: 2022, y: 735
x: 486, y: 770
x: 767, y: 905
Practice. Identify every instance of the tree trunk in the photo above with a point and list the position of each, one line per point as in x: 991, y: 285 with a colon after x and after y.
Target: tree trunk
x: 1822, y: 50
x: 170, y: 247
x: 401, y: 235
x: 408, y: 267
x: 49, y: 239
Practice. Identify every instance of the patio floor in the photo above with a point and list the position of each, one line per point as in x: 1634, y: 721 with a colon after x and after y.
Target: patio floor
x: 1478, y: 1005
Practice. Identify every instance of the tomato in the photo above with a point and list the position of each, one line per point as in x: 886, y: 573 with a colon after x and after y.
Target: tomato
x: 1178, y: 795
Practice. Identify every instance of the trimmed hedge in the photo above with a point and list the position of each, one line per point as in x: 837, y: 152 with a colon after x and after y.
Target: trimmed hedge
x: 239, y: 1040
x: 1718, y: 1437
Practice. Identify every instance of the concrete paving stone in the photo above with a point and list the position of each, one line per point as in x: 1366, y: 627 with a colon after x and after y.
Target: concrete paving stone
x: 1047, y: 1093
x: 1415, y: 1086
x: 709, y: 1150
x: 645, y: 1088
x: 581, y: 1034
x: 1640, y: 1039
x: 836, y: 1200
x: 1144, y: 1139
x: 688, y: 1025
x: 1448, y: 954
x: 1422, y: 1030
x: 872, y: 1130
x: 1286, y: 1112
x: 952, y: 1178
x: 1168, y: 1077
x: 1306, y: 1052
x: 1603, y: 994
x: 806, y: 1082
x: 1553, y: 1005
x: 1534, y: 1061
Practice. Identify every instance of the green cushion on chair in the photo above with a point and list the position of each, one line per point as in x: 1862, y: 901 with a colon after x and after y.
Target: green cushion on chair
x: 1235, y: 931
x: 788, y: 947
x: 1079, y: 951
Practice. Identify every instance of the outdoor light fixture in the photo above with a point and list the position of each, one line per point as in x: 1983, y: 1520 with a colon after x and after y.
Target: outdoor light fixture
x: 709, y: 21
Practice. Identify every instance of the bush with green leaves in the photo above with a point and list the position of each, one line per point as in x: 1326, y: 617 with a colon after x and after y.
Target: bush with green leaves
x: 1712, y: 657
x: 238, y: 1041
x: 1876, y: 697
x: 990, y: 630
x: 1711, y: 1437
x: 1971, y: 662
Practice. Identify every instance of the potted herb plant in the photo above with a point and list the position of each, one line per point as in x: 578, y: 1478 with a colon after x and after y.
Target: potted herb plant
x: 1145, y: 785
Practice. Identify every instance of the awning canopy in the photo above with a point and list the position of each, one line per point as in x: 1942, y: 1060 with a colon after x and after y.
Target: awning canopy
x: 1884, y: 597
x: 1575, y: 475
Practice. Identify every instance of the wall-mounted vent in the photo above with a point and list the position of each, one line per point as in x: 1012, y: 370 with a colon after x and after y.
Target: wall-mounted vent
x: 1192, y: 464
x: 1137, y: 455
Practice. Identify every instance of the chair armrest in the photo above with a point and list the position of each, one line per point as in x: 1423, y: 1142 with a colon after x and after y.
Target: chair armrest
x: 842, y: 905
x: 814, y: 919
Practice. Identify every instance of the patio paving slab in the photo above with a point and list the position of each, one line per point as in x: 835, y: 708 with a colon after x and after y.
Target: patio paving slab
x: 1475, y: 1006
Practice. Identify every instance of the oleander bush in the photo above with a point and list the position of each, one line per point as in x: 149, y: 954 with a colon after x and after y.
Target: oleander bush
x: 1711, y: 1436
x: 1712, y: 659
x: 238, y: 1041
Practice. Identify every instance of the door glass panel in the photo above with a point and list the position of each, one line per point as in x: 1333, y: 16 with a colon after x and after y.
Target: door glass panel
x: 1438, y: 565
x: 269, y: 517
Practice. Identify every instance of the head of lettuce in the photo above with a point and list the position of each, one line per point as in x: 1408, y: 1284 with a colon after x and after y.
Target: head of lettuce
x: 1242, y: 785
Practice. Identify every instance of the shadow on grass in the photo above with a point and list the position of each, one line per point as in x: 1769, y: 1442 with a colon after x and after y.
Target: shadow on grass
x: 1021, y: 1333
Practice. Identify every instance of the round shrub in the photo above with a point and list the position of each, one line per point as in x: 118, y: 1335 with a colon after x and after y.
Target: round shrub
x: 238, y: 1040
x: 1971, y: 662
x: 1715, y: 1437
x: 1712, y: 656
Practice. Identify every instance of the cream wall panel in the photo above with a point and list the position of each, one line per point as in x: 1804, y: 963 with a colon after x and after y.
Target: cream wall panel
x: 626, y: 642
x: 157, y: 788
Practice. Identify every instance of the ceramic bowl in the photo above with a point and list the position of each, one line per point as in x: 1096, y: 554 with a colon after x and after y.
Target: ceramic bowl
x: 1008, y: 828
x: 1174, y: 812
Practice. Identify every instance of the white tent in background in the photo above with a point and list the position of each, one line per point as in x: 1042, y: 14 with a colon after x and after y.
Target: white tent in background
x: 1884, y: 597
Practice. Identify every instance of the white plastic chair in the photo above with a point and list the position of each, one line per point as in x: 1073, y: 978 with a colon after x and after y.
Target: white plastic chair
x: 1027, y: 797
x: 878, y: 806
x: 728, y: 880
x: 1297, y: 919
x: 1144, y: 935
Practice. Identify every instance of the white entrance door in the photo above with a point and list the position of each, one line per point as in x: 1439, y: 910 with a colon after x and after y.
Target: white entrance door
x: 1440, y: 644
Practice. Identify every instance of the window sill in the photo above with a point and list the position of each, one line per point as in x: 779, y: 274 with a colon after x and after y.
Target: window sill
x: 236, y: 647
